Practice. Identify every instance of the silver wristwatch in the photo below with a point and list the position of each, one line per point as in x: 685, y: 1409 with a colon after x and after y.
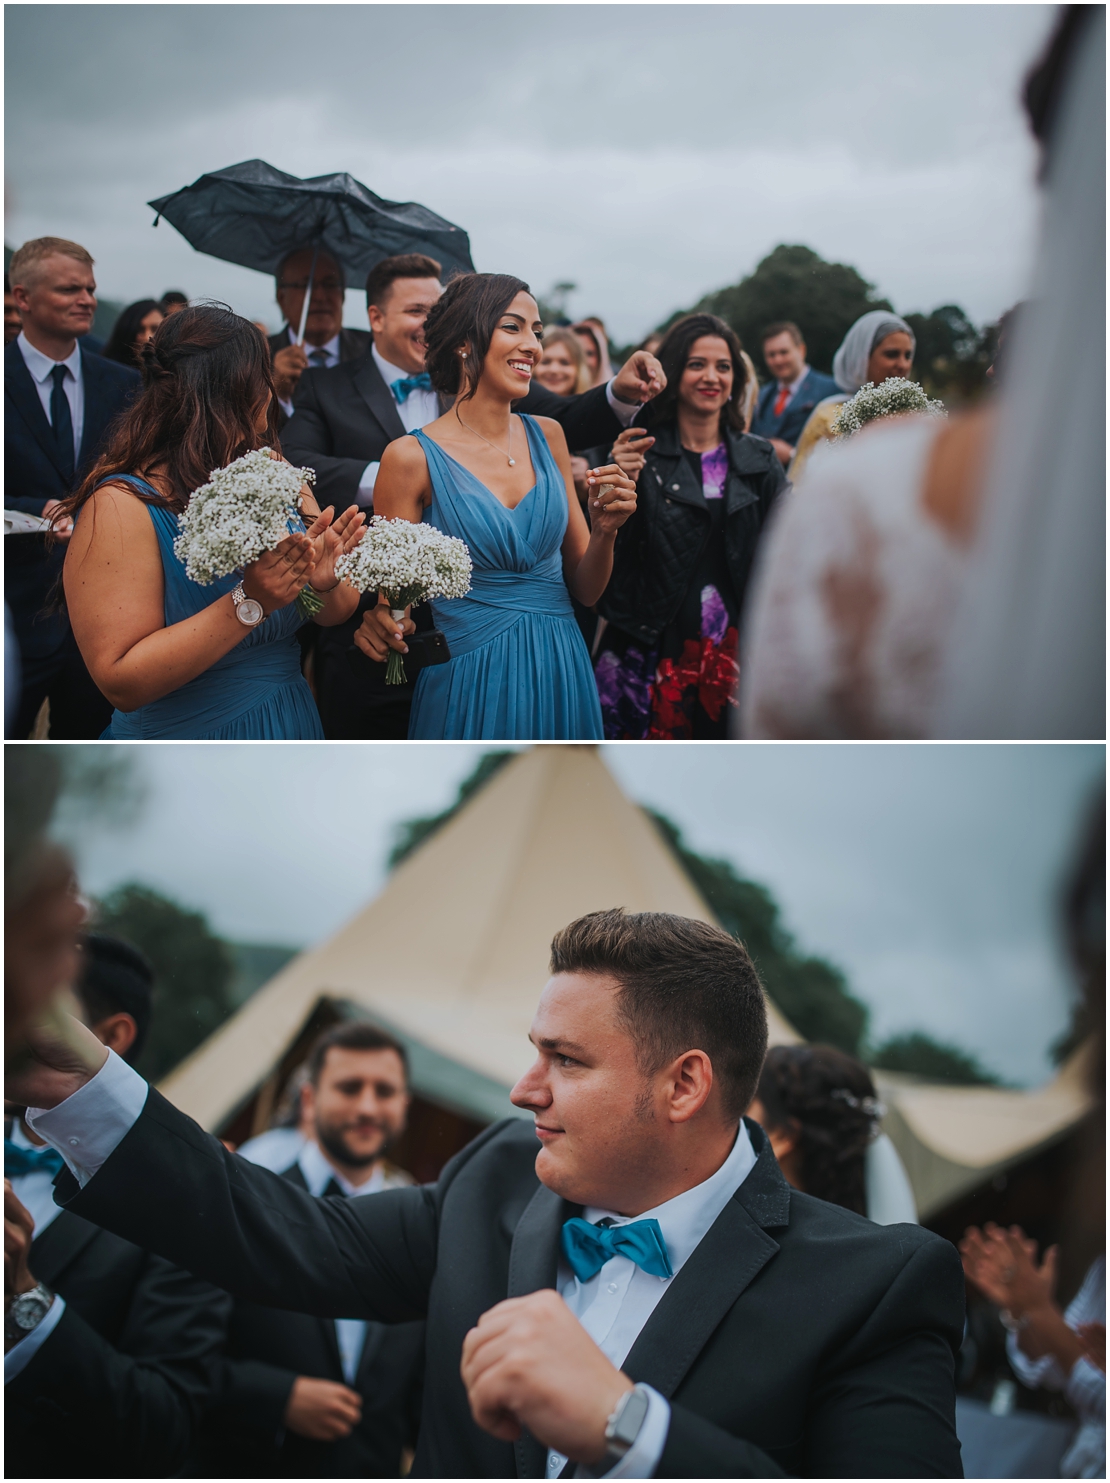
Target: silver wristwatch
x: 27, y: 1311
x: 623, y: 1427
x: 247, y: 610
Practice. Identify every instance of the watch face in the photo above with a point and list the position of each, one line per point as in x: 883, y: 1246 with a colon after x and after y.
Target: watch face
x: 249, y: 612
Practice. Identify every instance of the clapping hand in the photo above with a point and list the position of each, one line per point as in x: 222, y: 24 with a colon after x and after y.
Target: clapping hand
x: 530, y: 1363
x: 277, y: 577
x: 612, y: 498
x: 332, y: 537
x: 1003, y: 1266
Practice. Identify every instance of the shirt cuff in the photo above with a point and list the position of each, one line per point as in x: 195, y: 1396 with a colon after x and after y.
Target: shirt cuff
x: 20, y: 1355
x: 642, y: 1458
x: 624, y: 413
x: 1086, y: 1389
x: 366, y: 486
x: 88, y: 1127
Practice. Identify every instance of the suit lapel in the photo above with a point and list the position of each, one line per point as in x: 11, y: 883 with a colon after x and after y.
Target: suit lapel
x: 25, y: 398
x: 378, y: 397
x: 733, y: 1252
x: 63, y: 1241
x: 534, y: 1264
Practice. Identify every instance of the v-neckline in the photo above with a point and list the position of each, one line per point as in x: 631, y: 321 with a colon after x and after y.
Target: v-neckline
x: 509, y: 509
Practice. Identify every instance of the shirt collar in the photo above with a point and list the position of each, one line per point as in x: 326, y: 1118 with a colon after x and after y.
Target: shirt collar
x: 685, y: 1220
x: 318, y: 1174
x: 793, y: 386
x: 389, y: 373
x: 40, y: 366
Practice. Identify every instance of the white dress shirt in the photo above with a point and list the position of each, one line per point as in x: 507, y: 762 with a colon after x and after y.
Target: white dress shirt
x: 612, y: 1307
x: 616, y: 1303
x: 421, y: 407
x: 40, y: 367
x: 316, y: 360
x: 35, y: 1192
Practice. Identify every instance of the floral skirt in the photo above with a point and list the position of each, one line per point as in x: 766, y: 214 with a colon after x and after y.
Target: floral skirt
x: 649, y: 695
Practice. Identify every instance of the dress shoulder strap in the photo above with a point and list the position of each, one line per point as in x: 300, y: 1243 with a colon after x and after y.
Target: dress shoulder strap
x: 128, y: 479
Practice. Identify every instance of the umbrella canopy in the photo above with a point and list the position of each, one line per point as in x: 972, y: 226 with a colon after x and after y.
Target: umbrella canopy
x: 254, y: 215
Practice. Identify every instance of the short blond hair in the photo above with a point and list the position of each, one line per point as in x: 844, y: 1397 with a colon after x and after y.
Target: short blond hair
x: 26, y: 260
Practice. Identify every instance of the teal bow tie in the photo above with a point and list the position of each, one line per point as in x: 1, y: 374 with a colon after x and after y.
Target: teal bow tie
x: 587, y: 1248
x: 27, y: 1160
x: 403, y: 387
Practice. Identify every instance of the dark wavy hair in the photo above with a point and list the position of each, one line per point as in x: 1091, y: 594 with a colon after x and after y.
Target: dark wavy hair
x: 206, y: 376
x: 674, y: 353
x: 121, y: 342
x: 828, y: 1099
x: 465, y: 317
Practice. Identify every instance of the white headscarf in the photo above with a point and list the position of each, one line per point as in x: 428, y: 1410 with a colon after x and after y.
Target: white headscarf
x: 1027, y: 653
x: 850, y: 361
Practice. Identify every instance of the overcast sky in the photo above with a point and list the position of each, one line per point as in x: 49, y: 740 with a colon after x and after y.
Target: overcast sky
x: 649, y: 153
x: 929, y: 874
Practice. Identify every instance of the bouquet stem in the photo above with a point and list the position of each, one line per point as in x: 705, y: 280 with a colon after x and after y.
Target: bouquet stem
x: 309, y: 602
x: 395, y: 669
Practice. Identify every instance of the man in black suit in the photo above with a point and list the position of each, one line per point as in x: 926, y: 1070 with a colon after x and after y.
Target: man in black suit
x: 326, y: 342
x: 306, y: 1397
x: 111, y: 1382
x: 342, y: 423
x: 645, y: 1292
x: 60, y: 400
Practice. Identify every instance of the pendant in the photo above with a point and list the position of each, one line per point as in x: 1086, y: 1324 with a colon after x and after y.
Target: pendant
x: 512, y: 463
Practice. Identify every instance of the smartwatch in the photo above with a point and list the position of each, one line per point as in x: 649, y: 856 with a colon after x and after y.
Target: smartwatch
x: 247, y: 610
x: 623, y: 1427
x: 27, y: 1311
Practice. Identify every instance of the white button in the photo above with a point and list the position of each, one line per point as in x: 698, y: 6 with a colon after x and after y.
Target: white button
x: 674, y: 486
x: 612, y: 1287
x: 74, y: 1142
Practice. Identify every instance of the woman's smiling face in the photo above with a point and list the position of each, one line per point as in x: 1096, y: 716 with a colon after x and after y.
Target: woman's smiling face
x: 515, y: 349
x: 707, y: 378
x: 557, y: 371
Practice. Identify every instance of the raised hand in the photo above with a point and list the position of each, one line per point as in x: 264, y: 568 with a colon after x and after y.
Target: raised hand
x: 276, y: 578
x: 332, y: 537
x: 629, y: 452
x: 612, y: 499
x: 58, y: 1056
x: 640, y: 378
x: 1002, y: 1264
x: 19, y: 1231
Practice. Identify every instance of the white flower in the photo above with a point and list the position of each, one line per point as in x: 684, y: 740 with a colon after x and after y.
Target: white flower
x: 409, y: 563
x: 891, y: 398
x: 243, y: 511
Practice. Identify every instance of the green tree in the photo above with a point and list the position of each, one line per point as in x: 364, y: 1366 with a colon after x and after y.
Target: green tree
x: 824, y: 299
x: 193, y: 971
x: 952, y: 356
x: 812, y: 994
x: 919, y: 1054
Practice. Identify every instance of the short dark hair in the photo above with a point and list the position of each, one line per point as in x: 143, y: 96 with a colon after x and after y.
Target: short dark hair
x: 174, y: 296
x: 684, y: 985
x: 782, y: 327
x: 382, y: 276
x: 353, y: 1035
x: 117, y: 979
x: 466, y: 315
x: 673, y: 354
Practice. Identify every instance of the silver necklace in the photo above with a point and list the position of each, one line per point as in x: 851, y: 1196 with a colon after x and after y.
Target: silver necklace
x: 477, y: 434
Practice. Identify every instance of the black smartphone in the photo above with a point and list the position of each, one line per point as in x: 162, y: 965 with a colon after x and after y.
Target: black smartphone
x: 428, y: 647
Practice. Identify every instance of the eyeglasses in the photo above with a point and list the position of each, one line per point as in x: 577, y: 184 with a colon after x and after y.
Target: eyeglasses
x: 330, y: 285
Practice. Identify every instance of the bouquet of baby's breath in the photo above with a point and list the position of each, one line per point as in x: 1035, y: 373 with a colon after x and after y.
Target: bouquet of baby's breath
x: 242, y: 512
x: 890, y: 398
x: 407, y: 563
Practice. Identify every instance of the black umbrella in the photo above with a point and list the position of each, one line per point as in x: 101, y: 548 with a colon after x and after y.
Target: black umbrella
x: 254, y: 215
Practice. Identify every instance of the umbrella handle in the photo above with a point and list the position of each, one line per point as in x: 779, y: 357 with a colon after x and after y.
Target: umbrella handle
x: 307, y: 296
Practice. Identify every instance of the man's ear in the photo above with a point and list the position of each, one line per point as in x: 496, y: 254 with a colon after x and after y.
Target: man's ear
x: 117, y: 1032
x: 690, y: 1085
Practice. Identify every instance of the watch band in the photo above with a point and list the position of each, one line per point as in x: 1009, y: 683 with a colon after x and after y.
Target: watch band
x: 623, y: 1427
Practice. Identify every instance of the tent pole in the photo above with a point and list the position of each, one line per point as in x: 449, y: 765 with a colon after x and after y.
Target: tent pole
x: 308, y: 295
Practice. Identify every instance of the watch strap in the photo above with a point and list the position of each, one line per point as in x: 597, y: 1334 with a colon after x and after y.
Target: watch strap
x: 623, y: 1427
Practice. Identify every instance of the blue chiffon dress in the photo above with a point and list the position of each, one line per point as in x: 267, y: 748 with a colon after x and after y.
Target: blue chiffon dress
x: 256, y: 692
x: 519, y: 669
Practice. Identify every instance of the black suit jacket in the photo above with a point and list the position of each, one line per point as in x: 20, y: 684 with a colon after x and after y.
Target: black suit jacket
x: 243, y: 1434
x: 32, y: 476
x: 117, y: 1389
x: 345, y: 417
x: 798, y: 1339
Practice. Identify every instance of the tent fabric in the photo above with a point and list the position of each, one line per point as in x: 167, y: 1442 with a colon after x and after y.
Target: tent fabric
x: 453, y: 952
x: 451, y: 956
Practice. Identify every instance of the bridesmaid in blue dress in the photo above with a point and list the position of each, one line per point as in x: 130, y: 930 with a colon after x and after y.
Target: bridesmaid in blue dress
x: 178, y: 659
x: 502, y: 483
